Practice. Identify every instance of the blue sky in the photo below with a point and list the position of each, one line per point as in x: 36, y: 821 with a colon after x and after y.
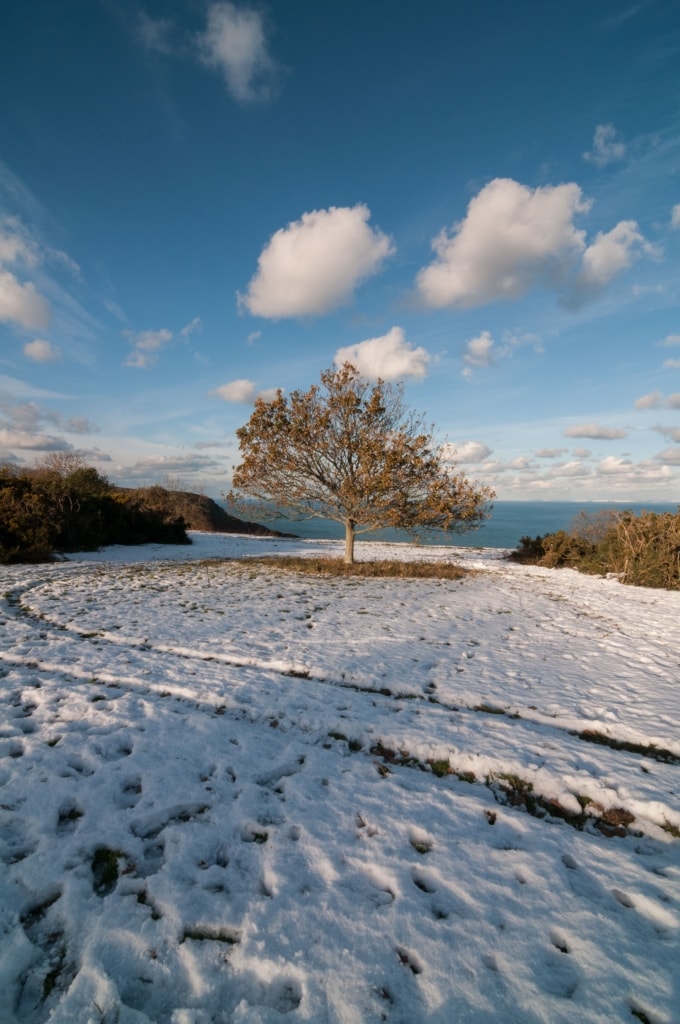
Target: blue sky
x: 201, y: 202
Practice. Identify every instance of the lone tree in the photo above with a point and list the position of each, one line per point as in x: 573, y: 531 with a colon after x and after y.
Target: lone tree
x: 352, y: 452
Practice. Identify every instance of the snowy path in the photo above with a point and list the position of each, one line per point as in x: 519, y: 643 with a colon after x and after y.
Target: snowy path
x: 218, y: 802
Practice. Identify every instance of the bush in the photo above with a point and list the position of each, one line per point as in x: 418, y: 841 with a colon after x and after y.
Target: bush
x: 50, y: 509
x: 643, y: 549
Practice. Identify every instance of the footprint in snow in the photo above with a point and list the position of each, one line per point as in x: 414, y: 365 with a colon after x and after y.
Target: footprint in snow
x: 129, y: 793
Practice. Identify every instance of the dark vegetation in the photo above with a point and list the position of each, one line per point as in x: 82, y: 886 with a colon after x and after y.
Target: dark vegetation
x: 64, y: 505
x: 386, y: 568
x: 643, y: 550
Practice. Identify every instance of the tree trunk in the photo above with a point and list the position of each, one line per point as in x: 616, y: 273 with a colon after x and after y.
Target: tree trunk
x: 349, y: 541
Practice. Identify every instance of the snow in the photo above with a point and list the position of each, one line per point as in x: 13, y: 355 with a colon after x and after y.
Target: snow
x: 262, y: 758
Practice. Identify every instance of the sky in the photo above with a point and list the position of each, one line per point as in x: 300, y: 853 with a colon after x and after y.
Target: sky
x: 202, y: 202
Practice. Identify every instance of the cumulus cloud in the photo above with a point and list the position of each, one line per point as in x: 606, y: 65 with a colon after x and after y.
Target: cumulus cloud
x: 581, y: 453
x: 607, y: 149
x: 549, y: 453
x: 594, y: 432
x: 389, y: 356
x: 514, y: 238
x: 244, y: 391
x: 21, y: 303
x: 146, y: 345
x: 613, y: 466
x: 464, y: 451
x: 511, y: 239
x: 313, y: 265
x: 656, y: 400
x: 675, y: 217
x: 671, y: 339
x: 41, y: 351
x: 611, y: 252
x: 237, y: 391
x: 671, y: 364
x: 234, y: 43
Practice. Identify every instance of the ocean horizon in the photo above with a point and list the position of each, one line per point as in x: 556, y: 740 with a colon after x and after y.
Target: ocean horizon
x: 509, y: 521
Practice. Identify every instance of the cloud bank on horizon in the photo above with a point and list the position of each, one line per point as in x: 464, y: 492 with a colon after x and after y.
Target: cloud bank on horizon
x: 264, y: 199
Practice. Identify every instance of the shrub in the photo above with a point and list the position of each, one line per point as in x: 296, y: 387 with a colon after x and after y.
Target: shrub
x: 54, y: 508
x: 643, y: 549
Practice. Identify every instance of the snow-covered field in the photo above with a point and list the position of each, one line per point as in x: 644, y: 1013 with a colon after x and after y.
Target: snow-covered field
x: 233, y: 794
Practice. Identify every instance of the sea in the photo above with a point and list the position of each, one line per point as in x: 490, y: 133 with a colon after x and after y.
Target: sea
x: 509, y: 521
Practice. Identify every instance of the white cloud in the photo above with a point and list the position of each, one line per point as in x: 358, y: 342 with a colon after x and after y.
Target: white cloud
x: 481, y: 351
x: 146, y: 345
x: 569, y: 469
x: 313, y: 265
x: 389, y: 356
x: 32, y: 442
x: 594, y: 432
x: 549, y: 453
x: 234, y: 42
x: 581, y: 453
x: 191, y: 328
x: 21, y: 303
x: 237, y: 391
x: 253, y: 337
x: 41, y: 351
x: 611, y: 252
x: 268, y: 394
x: 672, y: 433
x: 244, y: 391
x: 671, y: 339
x: 671, y: 364
x: 669, y: 456
x: 650, y: 401
x: 613, y: 466
x: 514, y: 238
x: 675, y: 216
x: 156, y: 466
x: 656, y: 400
x: 606, y: 148
x: 464, y: 451
x: 511, y: 239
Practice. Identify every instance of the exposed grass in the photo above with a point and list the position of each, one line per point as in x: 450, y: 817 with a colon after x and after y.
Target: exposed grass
x: 646, y: 749
x: 385, y: 568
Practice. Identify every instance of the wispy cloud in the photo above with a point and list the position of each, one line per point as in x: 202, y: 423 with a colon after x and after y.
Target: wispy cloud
x: 482, y: 351
x: 595, y: 432
x: 20, y: 301
x: 313, y: 265
x: 607, y: 147
x: 234, y: 42
x: 146, y: 346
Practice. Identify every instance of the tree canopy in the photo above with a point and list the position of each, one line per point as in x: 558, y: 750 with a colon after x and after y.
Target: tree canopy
x: 352, y: 452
